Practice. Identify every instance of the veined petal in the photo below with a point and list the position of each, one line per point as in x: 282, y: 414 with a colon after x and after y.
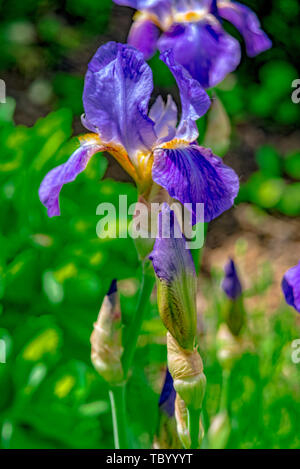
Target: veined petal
x: 231, y: 283
x: 204, y: 49
x: 194, y: 99
x: 143, y: 35
x: 67, y: 172
x: 291, y: 286
x: 165, y: 117
x: 247, y: 23
x: 116, y: 94
x: 193, y: 174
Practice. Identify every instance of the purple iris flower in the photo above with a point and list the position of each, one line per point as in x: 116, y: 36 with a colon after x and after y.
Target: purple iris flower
x: 291, y: 286
x: 168, y: 396
x: 193, y: 30
x: 231, y: 283
x: 150, y: 145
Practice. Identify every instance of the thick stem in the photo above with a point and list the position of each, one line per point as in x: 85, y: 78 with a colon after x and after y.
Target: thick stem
x: 136, y: 323
x: 118, y: 410
x: 194, y: 426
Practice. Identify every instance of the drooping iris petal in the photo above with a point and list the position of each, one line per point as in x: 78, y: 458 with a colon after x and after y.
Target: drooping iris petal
x: 165, y: 118
x: 143, y: 35
x: 175, y: 270
x: 116, y: 94
x: 194, y: 99
x: 231, y: 283
x: 204, y: 49
x: 193, y: 174
x: 247, y: 23
x: 52, y: 183
x: 291, y: 286
x: 168, y: 396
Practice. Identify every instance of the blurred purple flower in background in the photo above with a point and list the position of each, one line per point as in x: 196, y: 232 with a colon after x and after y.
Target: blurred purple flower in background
x: 149, y: 144
x: 291, y: 286
x: 193, y: 30
x: 231, y: 283
x: 168, y: 396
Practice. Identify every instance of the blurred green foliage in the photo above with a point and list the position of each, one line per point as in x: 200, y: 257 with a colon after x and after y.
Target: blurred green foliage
x: 54, y: 273
x: 276, y: 185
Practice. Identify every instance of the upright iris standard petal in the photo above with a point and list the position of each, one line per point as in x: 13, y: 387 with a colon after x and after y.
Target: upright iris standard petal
x: 52, y: 183
x: 143, y: 36
x: 175, y: 270
x: 194, y: 99
x: 165, y: 118
x: 193, y: 174
x: 116, y: 94
x: 231, y: 283
x: 291, y: 286
x: 168, y: 396
x: 247, y: 23
x: 204, y: 49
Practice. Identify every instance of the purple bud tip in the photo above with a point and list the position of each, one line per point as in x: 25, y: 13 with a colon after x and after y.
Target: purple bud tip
x: 113, y: 287
x: 231, y: 283
x: 168, y: 395
x: 291, y: 287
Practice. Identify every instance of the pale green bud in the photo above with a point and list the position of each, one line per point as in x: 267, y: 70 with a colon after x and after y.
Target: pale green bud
x: 229, y: 347
x: 219, y: 431
x: 106, y: 339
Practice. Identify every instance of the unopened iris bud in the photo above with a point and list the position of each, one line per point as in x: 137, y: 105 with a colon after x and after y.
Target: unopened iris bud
x: 233, y: 308
x: 166, y: 434
x: 175, y: 270
x: 231, y: 283
x: 186, y: 368
x: 106, y: 338
x: 291, y: 287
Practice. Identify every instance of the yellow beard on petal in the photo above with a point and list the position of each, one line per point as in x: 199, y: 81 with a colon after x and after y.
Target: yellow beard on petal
x: 141, y: 171
x: 175, y: 143
x: 117, y: 151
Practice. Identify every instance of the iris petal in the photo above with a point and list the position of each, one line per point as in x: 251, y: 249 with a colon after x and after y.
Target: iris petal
x: 291, y: 286
x: 165, y: 118
x: 247, y: 23
x: 143, y: 36
x: 168, y: 395
x: 193, y: 174
x: 116, y: 94
x: 194, y: 99
x: 204, y: 49
x: 52, y: 183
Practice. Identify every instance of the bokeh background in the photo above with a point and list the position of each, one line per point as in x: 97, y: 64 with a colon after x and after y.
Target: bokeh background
x: 54, y: 273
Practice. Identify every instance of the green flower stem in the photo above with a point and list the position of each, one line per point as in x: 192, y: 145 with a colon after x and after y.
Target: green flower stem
x: 118, y: 410
x: 194, y: 426
x: 198, y: 253
x: 136, y: 323
x: 224, y: 390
